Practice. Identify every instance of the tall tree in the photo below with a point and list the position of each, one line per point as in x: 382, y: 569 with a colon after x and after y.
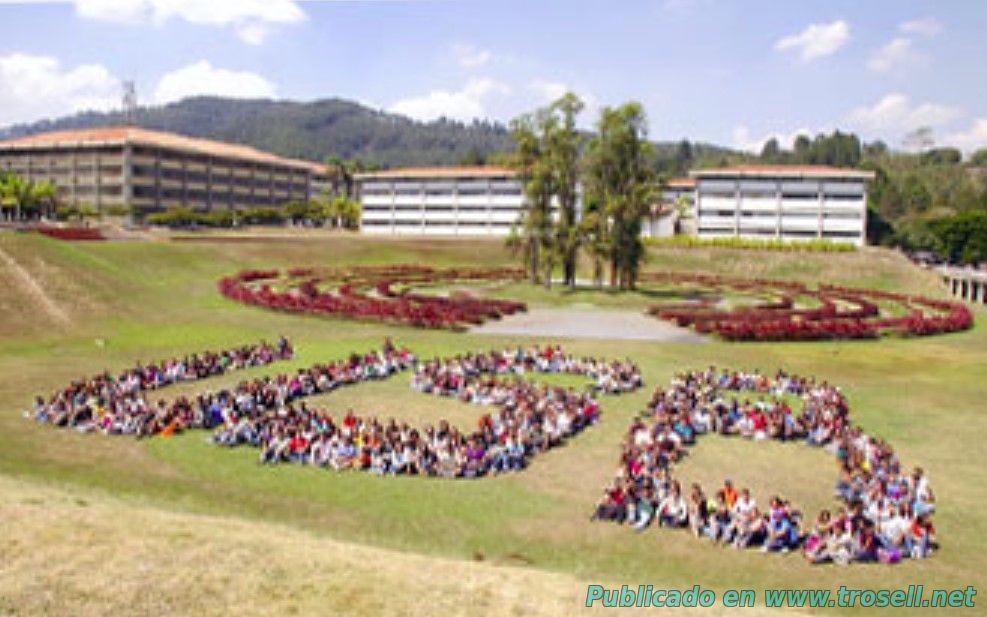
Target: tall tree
x: 683, y: 157
x: 533, y: 229
x: 618, y: 175
x: 547, y: 155
x: 771, y: 152
x: 563, y: 150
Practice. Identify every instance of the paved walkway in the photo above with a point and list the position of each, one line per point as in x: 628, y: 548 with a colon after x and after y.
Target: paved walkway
x: 589, y: 322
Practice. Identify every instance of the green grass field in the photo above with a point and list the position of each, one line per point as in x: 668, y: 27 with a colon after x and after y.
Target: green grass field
x: 146, y: 300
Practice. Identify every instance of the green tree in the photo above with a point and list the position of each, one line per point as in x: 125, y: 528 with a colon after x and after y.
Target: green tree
x: 879, y: 230
x: 532, y: 233
x: 802, y: 148
x: 618, y: 175
x: 342, y: 171
x: 771, y: 152
x: 26, y: 198
x: 683, y: 157
x: 962, y: 238
x: 915, y: 194
x: 941, y: 156
x: 342, y: 212
x: 563, y: 151
x: 548, y: 158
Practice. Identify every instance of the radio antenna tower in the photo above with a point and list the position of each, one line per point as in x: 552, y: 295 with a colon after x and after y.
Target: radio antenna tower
x: 130, y: 102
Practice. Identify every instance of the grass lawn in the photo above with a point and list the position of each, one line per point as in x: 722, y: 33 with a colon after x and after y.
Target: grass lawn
x: 146, y: 300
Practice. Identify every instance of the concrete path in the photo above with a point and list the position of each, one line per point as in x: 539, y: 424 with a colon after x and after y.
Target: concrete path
x: 589, y: 322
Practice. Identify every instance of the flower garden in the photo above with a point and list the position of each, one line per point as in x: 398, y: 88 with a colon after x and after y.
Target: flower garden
x: 375, y: 293
x: 793, y: 311
x: 72, y: 234
x: 733, y: 309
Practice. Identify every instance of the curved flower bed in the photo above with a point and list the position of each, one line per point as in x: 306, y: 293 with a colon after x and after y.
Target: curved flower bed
x: 886, y: 512
x: 374, y: 293
x: 840, y: 312
x: 72, y: 234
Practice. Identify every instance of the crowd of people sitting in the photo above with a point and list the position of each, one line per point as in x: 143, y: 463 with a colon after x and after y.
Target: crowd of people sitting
x: 122, y: 404
x: 268, y: 412
x: 886, y: 511
x: 529, y: 418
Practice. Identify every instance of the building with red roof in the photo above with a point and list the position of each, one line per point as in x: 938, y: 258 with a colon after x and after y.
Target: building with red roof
x: 150, y: 171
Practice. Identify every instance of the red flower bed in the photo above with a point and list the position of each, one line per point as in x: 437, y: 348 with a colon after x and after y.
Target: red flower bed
x: 842, y: 312
x: 71, y: 233
x: 368, y: 293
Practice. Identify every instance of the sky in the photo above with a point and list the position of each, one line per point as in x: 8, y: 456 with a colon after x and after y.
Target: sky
x: 729, y: 72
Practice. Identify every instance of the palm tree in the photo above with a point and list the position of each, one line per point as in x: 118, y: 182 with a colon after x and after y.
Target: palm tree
x: 45, y: 195
x: 7, y: 195
x: 342, y: 171
x: 17, y: 191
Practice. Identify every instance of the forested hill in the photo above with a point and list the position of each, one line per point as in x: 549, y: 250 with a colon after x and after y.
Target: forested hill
x: 318, y: 129
x: 312, y: 130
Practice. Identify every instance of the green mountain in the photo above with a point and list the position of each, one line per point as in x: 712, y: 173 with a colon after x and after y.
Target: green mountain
x: 318, y: 129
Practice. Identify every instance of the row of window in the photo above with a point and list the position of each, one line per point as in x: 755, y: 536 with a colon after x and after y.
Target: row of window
x: 437, y: 193
x: 784, y: 196
x: 411, y: 223
x: 149, y: 192
x: 63, y: 169
x: 438, y: 208
x: 801, y: 214
x: 201, y: 159
x: 110, y: 190
x: 191, y: 176
x: 36, y: 156
x: 786, y: 233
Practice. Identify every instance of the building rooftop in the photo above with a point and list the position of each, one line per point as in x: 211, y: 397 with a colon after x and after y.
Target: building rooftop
x: 116, y: 135
x: 684, y: 182
x: 440, y: 172
x: 784, y: 171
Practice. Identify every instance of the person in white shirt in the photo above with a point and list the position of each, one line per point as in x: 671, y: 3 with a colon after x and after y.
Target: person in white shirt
x: 673, y: 510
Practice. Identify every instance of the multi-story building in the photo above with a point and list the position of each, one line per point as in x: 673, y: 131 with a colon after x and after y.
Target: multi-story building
x: 673, y: 210
x: 150, y: 171
x: 440, y: 200
x: 785, y: 202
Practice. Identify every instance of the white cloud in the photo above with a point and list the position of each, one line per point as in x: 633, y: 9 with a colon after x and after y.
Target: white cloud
x: 465, y: 104
x: 972, y: 139
x: 469, y: 56
x: 201, y: 78
x: 251, y: 20
x: 35, y: 87
x: 896, y: 113
x: 928, y: 26
x: 817, y: 40
x: 897, y: 54
x: 548, y: 90
x: 744, y: 140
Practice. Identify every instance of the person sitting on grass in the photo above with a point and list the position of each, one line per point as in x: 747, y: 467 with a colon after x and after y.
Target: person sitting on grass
x: 870, y: 475
x: 673, y: 510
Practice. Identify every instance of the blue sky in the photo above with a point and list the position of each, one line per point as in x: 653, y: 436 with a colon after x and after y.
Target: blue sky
x: 728, y: 72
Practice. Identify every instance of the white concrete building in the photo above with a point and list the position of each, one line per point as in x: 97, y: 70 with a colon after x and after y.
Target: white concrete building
x: 784, y: 202
x: 440, y: 201
x: 667, y: 216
